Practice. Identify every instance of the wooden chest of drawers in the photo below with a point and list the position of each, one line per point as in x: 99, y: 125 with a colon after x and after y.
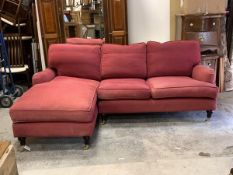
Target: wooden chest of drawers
x: 207, y: 29
x: 210, y: 61
x: 197, y: 23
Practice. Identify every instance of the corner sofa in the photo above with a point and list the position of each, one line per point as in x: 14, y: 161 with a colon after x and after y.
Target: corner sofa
x: 82, y: 81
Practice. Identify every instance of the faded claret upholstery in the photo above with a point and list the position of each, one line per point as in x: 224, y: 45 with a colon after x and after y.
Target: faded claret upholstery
x: 84, y: 80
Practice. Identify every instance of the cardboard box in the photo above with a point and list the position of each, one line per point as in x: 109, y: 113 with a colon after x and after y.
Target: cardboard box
x: 3, y: 146
x: 202, y: 6
x: 8, y: 164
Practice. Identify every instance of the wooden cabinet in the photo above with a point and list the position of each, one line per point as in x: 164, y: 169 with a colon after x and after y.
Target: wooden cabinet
x: 205, y: 38
x: 210, y: 61
x: 201, y: 23
x: 208, y: 30
x: 115, y: 18
x: 51, y: 30
x: 54, y: 30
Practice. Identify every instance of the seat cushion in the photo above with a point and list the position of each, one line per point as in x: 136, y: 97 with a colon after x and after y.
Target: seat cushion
x: 64, y: 99
x: 123, y: 61
x: 181, y: 87
x: 174, y: 58
x: 115, y: 89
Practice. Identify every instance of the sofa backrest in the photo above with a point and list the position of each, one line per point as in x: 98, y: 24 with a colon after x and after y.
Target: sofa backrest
x: 84, y: 41
x: 120, y: 61
x: 174, y: 58
x: 75, y: 60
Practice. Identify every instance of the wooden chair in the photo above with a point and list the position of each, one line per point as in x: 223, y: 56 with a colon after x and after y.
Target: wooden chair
x: 13, y: 13
x: 15, y: 55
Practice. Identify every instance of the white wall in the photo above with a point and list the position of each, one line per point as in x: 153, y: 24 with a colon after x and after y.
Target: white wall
x: 148, y: 20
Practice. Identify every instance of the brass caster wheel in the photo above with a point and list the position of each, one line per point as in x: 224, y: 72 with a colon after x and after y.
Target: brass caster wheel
x: 86, y: 142
x: 209, y: 115
x: 86, y: 147
x: 103, y: 122
x: 103, y: 118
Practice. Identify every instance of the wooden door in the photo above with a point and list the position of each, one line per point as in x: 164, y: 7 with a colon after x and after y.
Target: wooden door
x: 115, y: 15
x: 49, y: 12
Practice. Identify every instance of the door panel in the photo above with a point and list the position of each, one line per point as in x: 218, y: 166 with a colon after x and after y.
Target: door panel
x: 115, y: 13
x: 48, y: 41
x: 51, y: 33
x: 118, y: 13
x: 49, y: 14
x: 118, y: 40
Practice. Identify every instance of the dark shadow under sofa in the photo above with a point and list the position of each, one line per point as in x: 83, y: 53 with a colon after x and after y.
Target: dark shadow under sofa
x: 84, y: 81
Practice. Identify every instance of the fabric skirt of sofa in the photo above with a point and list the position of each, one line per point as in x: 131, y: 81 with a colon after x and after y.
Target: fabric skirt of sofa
x: 160, y: 105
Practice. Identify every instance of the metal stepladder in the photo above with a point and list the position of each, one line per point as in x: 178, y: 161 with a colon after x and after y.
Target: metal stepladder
x: 8, y: 90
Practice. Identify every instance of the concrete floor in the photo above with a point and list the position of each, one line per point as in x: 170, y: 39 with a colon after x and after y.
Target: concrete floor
x: 161, y: 143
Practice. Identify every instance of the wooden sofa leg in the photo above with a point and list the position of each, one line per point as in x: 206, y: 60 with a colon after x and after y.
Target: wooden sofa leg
x: 22, y: 141
x: 103, y: 118
x: 86, y: 142
x: 209, y: 114
x: 231, y: 173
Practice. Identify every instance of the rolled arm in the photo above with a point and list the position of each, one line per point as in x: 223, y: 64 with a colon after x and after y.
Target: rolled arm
x: 203, y: 73
x: 43, y: 76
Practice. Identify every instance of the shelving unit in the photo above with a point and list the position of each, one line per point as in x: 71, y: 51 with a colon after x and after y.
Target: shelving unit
x: 86, y: 22
x: 14, y: 18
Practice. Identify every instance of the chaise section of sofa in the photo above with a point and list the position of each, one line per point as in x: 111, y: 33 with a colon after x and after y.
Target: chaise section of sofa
x: 62, y: 101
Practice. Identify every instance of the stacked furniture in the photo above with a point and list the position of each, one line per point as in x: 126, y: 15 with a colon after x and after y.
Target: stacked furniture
x: 13, y: 12
x: 51, y: 16
x: 84, y: 80
x: 209, y: 30
x: 15, y: 24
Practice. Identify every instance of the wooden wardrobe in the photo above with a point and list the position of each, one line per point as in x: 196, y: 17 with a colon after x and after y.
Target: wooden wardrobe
x: 115, y: 19
x: 52, y: 24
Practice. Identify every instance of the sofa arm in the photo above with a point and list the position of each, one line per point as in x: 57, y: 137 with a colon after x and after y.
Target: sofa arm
x: 43, y: 76
x: 203, y: 73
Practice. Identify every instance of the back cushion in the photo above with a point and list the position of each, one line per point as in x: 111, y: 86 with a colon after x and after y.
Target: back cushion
x: 120, y: 61
x: 75, y: 60
x: 175, y: 58
x: 84, y: 41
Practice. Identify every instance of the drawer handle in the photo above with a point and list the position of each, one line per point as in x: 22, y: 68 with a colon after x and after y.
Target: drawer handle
x: 214, y: 23
x: 209, y: 64
x: 191, y: 24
